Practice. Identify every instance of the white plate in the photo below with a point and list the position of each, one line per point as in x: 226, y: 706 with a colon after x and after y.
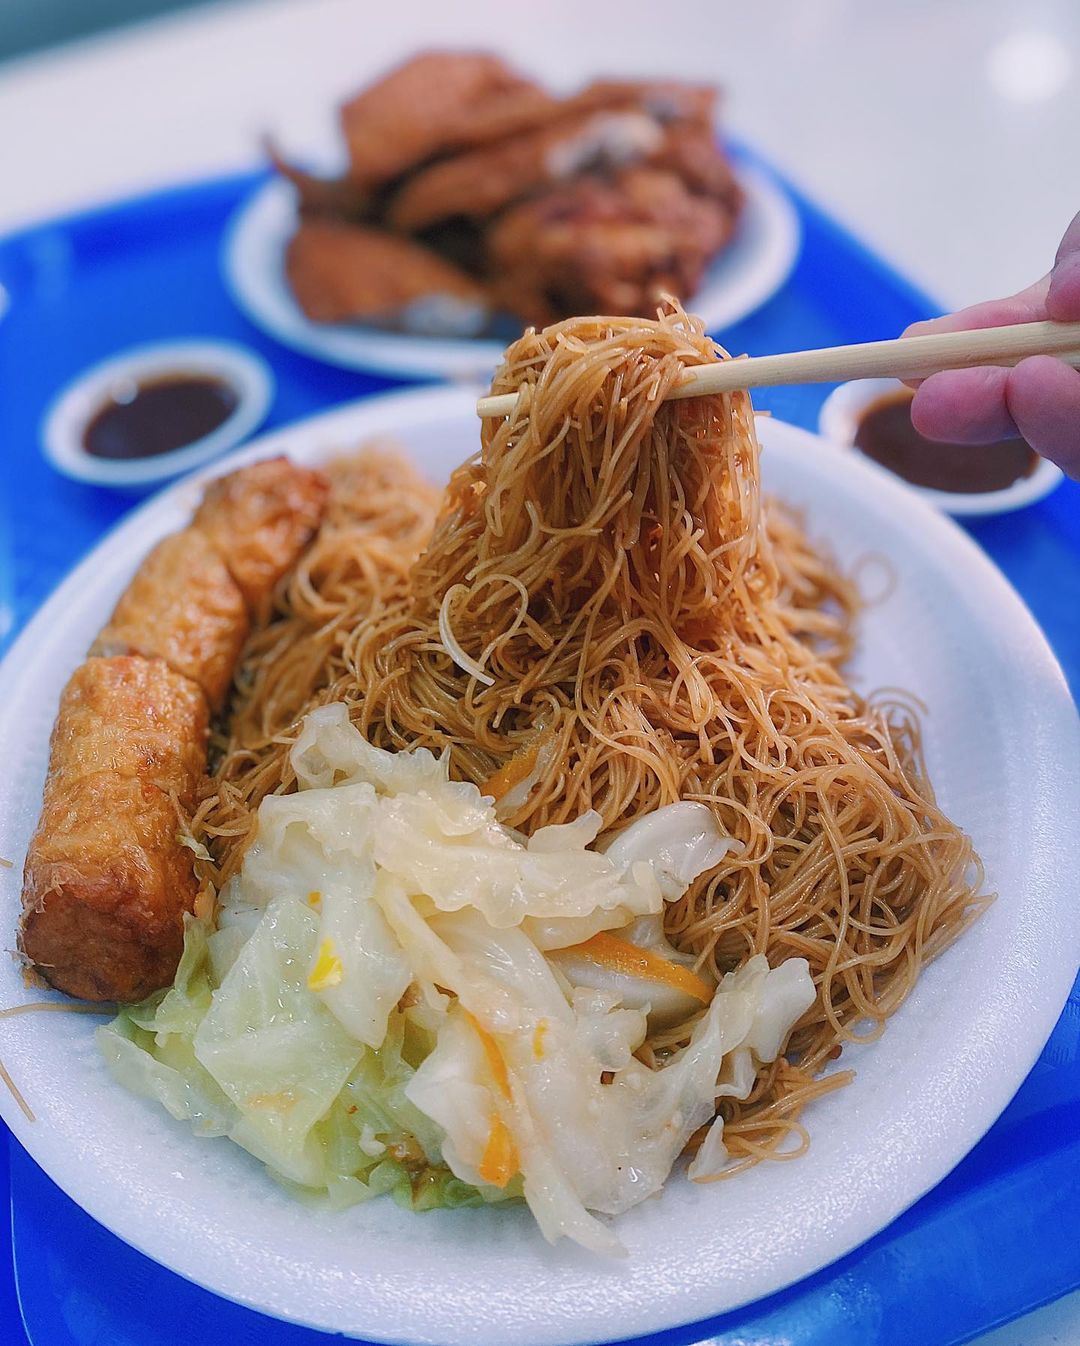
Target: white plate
x: 1004, y: 750
x: 751, y: 269
x: 839, y: 421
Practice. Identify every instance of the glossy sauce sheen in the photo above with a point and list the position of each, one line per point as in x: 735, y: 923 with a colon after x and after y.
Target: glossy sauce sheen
x: 158, y: 416
x: 886, y: 434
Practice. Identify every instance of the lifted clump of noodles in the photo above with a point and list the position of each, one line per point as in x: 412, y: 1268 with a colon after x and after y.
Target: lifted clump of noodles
x: 609, y: 616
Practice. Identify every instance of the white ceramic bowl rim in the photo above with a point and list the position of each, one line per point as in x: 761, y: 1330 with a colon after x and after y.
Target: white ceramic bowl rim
x: 837, y: 423
x: 65, y: 422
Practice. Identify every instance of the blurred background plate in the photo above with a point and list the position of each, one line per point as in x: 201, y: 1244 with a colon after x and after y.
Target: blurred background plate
x: 747, y: 273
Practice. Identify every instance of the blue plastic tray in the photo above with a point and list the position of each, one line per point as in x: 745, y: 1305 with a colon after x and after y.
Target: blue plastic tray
x: 1001, y: 1235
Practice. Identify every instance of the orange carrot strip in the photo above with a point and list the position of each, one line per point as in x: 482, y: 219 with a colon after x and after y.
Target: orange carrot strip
x: 512, y: 772
x: 495, y: 1061
x: 500, y: 1161
x: 619, y: 955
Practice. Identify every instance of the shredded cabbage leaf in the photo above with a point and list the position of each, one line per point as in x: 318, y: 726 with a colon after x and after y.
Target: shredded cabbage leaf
x: 403, y: 996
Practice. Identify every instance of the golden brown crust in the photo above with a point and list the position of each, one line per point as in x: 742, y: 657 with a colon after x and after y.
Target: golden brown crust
x: 341, y: 272
x: 435, y: 102
x: 689, y: 149
x: 613, y: 245
x: 106, y: 882
x: 483, y: 181
x: 260, y: 518
x: 182, y: 606
x: 610, y: 124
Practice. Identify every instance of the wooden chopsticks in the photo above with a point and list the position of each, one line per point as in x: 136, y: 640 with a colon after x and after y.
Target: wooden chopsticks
x: 907, y: 357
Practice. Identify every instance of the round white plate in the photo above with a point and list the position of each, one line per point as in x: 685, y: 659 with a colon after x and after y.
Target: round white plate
x: 751, y: 269
x: 1003, y: 744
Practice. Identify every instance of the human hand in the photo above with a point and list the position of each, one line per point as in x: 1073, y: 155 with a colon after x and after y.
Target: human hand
x: 1038, y: 400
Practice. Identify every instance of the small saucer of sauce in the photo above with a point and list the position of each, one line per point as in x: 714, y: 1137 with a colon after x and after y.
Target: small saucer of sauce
x: 874, y: 417
x: 159, y: 415
x: 155, y: 412
x: 884, y: 432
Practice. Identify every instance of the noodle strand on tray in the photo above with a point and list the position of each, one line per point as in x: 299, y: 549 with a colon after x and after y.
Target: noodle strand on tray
x: 607, y: 604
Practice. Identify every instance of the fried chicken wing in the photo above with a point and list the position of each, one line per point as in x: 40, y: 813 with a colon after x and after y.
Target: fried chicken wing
x: 687, y: 114
x: 609, y: 125
x: 606, y: 246
x: 182, y: 606
x: 341, y: 197
x: 106, y: 882
x: 435, y: 102
x: 478, y: 184
x: 689, y: 150
x: 341, y: 272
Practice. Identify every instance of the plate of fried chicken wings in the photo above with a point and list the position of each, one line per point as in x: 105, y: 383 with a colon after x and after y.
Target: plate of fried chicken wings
x: 470, y: 203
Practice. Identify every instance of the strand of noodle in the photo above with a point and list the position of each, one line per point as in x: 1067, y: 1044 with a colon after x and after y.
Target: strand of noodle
x: 16, y: 1093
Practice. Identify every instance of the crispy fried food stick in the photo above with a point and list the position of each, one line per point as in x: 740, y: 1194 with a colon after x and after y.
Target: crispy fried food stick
x: 183, y: 606
x: 260, y: 519
x: 107, y: 881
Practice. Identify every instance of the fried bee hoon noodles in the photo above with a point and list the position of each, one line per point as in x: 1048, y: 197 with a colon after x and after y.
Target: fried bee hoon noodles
x: 608, y: 615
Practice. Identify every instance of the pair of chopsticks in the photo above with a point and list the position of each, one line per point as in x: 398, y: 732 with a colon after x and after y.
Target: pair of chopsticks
x: 906, y: 358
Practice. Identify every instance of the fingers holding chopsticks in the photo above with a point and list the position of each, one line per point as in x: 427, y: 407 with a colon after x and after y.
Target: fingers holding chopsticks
x: 1039, y: 399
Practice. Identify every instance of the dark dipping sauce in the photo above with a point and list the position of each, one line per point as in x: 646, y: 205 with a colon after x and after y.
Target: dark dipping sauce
x: 159, y: 415
x: 885, y: 434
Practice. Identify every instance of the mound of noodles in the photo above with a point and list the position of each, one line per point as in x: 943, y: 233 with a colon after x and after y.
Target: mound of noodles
x: 602, y: 612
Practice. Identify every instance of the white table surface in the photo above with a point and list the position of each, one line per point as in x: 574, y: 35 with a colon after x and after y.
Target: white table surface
x: 944, y: 132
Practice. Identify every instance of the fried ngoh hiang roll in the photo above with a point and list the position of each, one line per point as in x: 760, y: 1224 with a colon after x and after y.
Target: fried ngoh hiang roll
x: 183, y: 606
x: 260, y: 519
x: 107, y: 880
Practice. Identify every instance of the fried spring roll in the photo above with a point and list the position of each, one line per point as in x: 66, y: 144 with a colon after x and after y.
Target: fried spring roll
x: 106, y: 881
x: 183, y: 606
x: 260, y: 519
